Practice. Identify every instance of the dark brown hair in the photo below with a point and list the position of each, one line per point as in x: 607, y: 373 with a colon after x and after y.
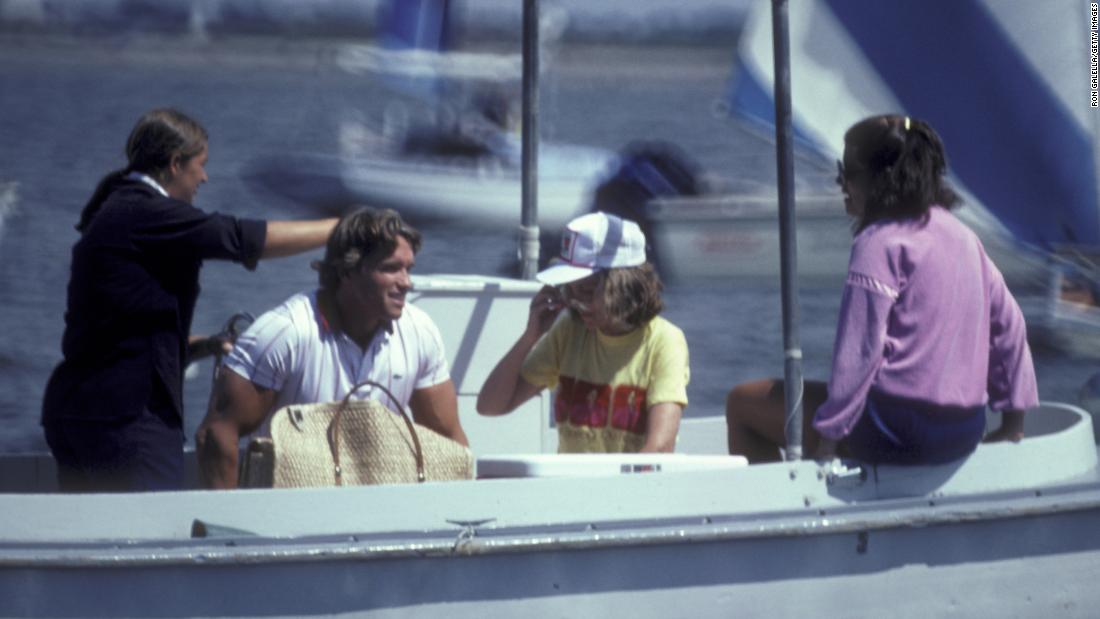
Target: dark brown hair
x: 159, y: 136
x: 901, y: 164
x: 361, y: 237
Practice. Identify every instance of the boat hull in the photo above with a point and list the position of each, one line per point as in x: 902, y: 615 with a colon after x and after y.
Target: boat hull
x: 1009, y: 555
x: 736, y: 237
x: 1012, y: 526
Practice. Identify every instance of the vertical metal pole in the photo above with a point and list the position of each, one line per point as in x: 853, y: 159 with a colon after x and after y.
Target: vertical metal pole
x: 529, y: 226
x: 788, y: 244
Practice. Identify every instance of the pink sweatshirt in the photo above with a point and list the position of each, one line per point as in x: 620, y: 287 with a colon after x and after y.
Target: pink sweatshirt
x: 926, y: 316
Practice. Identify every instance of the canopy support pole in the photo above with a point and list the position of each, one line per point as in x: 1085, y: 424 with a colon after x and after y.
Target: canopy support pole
x: 529, y: 227
x: 788, y: 243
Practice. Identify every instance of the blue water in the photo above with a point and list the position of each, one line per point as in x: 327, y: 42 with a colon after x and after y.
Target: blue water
x: 66, y: 106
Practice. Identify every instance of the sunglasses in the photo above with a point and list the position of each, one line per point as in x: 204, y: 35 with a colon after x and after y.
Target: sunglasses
x: 844, y: 175
x: 577, y: 297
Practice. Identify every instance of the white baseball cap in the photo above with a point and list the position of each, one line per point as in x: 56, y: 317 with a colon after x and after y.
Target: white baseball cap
x: 593, y: 242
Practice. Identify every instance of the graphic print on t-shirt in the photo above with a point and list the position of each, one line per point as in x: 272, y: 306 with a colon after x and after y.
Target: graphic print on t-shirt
x: 584, y: 404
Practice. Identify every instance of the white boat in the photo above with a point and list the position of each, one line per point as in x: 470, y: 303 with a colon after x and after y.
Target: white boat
x: 436, y: 155
x: 460, y: 190
x: 734, y: 237
x: 1011, y: 530
x: 1068, y: 318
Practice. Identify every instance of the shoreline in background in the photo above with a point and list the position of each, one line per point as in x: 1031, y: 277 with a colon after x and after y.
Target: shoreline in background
x: 616, y: 21
x: 567, y: 59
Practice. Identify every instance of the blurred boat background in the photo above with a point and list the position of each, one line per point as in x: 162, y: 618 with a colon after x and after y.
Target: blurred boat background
x: 446, y: 148
x: 1011, y: 528
x: 1003, y: 85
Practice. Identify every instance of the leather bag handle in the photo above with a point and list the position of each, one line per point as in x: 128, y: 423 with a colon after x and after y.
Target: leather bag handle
x: 334, y: 432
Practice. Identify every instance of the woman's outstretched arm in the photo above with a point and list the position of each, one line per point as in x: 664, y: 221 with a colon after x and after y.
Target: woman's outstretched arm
x: 287, y: 238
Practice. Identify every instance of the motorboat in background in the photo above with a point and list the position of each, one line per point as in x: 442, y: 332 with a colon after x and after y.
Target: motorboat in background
x: 736, y: 237
x: 1068, y: 318
x: 464, y: 187
x: 447, y: 147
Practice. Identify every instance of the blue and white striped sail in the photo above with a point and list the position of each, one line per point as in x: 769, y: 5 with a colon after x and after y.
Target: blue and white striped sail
x: 412, y: 33
x: 1005, y: 82
x: 417, y: 54
x: 416, y: 24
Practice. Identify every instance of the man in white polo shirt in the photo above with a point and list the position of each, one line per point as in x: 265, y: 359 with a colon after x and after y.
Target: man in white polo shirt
x: 316, y: 346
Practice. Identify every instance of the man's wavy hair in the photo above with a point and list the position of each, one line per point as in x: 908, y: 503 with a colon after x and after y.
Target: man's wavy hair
x: 902, y: 169
x: 631, y: 295
x: 360, y: 238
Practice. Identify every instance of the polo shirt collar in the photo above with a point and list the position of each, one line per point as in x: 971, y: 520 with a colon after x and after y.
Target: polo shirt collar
x: 387, y: 325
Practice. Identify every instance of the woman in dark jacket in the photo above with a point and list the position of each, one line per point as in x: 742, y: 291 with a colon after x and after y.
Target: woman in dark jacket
x: 113, y: 410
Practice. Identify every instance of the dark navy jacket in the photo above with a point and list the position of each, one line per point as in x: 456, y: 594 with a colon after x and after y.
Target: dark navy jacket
x: 132, y: 293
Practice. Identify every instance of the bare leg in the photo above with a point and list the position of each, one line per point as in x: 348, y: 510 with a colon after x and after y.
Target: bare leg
x: 755, y: 418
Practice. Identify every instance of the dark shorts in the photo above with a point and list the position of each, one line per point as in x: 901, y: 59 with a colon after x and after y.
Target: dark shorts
x: 899, y: 431
x: 133, y: 455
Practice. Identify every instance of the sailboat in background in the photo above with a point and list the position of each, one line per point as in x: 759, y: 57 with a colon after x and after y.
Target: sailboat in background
x: 1004, y: 83
x: 447, y: 147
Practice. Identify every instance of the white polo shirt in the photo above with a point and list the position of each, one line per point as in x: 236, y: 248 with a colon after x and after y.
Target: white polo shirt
x: 292, y: 350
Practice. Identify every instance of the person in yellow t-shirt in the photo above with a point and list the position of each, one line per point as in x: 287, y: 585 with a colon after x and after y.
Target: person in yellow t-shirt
x: 621, y: 371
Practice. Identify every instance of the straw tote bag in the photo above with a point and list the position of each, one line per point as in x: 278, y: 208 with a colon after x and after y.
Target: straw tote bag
x: 352, y: 442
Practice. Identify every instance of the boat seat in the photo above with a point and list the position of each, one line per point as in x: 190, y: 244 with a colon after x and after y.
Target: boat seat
x: 1058, y: 446
x: 595, y: 465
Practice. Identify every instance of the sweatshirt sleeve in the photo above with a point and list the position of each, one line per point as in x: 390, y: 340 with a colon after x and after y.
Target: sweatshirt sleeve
x: 858, y: 353
x: 183, y: 230
x: 1012, y: 384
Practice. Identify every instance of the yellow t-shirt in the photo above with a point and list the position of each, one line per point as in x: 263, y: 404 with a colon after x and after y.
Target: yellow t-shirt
x: 606, y: 384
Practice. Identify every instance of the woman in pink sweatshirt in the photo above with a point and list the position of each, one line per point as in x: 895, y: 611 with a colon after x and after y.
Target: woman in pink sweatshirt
x: 928, y: 335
